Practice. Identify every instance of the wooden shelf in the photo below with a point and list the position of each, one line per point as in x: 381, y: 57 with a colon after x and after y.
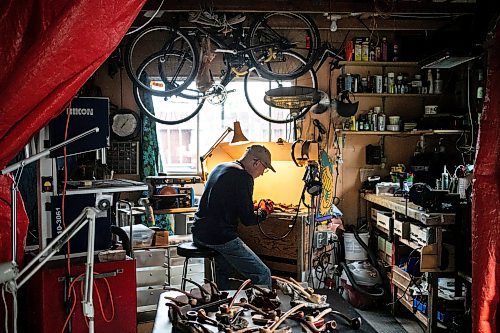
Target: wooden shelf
x: 419, y: 315
x: 411, y: 210
x: 393, y: 95
x: 413, y: 245
x: 176, y: 210
x: 409, y: 133
x: 427, y: 132
x: 379, y: 63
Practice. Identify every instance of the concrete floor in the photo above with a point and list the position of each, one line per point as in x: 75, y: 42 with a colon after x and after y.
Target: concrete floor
x: 382, y: 321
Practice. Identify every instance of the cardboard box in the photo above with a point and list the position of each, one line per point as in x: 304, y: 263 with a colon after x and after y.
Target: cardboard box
x: 161, y: 237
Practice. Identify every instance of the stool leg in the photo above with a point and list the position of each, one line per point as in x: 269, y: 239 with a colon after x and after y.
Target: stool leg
x: 184, y: 274
x: 212, y: 269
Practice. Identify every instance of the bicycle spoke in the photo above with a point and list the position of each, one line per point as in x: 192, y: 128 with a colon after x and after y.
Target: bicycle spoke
x: 255, y: 97
x: 268, y: 38
x: 167, y: 41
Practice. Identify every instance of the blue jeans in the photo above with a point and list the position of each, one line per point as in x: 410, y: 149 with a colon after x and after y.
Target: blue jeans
x: 236, y: 255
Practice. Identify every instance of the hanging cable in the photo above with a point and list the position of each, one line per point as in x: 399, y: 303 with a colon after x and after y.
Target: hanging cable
x: 147, y: 22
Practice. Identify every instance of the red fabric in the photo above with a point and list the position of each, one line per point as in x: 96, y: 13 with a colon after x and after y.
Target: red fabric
x: 48, y: 49
x: 486, y: 206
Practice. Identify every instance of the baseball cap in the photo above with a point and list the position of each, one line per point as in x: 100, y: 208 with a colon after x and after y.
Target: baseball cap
x: 262, y: 154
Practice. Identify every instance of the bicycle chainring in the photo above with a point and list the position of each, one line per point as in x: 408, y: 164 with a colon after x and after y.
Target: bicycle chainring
x: 217, y: 94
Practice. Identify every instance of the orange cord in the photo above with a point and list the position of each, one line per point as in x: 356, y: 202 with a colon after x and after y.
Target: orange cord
x: 73, y: 305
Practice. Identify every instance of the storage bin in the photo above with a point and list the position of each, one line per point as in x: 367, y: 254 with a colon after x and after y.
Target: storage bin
x: 375, y: 211
x: 151, y: 276
x: 414, y: 233
x: 353, y: 250
x: 384, y: 220
x: 141, y: 235
x: 149, y: 257
x: 402, y: 229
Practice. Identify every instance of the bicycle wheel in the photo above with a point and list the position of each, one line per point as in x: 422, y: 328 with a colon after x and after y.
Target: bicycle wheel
x: 176, y: 109
x: 177, y: 67
x: 256, y: 86
x: 168, y: 110
x: 273, y: 34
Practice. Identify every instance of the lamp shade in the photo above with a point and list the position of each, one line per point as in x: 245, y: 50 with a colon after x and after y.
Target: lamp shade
x: 238, y: 136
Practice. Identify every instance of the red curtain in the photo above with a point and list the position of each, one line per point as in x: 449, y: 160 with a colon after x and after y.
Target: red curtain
x: 486, y: 206
x: 48, y: 49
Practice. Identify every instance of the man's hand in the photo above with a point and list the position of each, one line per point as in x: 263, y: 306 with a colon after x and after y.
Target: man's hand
x: 261, y: 214
x: 266, y: 205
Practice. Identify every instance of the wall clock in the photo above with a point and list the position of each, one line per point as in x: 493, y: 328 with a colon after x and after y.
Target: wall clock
x: 125, y: 124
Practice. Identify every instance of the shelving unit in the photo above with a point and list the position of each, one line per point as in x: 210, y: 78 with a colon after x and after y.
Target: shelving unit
x: 400, y: 133
x: 394, y: 95
x: 433, y: 221
x: 379, y: 63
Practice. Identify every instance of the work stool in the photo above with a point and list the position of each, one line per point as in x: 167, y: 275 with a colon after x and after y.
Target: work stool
x: 191, y: 250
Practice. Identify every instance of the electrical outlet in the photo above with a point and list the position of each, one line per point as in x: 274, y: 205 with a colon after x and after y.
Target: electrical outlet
x: 322, y: 238
x: 319, y: 240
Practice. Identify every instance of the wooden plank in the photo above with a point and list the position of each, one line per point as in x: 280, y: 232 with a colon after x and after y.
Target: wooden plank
x: 411, y: 210
x: 427, y: 7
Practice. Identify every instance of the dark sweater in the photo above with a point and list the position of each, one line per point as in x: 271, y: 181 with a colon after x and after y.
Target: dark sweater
x: 226, y: 201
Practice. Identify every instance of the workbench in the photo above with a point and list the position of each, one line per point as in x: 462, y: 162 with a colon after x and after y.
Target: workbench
x: 162, y: 323
x: 436, y: 222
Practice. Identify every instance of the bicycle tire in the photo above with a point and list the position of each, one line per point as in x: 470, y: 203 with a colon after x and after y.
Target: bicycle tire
x: 169, y: 41
x: 138, y: 93
x: 303, y: 39
x: 309, y: 77
x: 189, y: 94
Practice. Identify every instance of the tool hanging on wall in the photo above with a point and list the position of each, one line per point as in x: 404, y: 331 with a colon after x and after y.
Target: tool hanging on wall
x: 308, y: 152
x: 345, y: 107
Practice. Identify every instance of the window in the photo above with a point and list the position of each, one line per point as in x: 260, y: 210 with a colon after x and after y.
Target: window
x: 181, y: 145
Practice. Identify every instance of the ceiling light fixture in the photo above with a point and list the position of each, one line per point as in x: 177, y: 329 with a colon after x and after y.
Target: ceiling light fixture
x: 333, y: 18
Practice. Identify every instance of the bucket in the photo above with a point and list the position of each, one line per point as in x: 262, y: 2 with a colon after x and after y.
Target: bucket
x: 353, y: 250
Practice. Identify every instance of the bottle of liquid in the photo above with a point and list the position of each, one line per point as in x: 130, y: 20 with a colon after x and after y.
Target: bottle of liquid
x: 445, y: 179
x: 348, y: 82
x: 378, y: 53
x: 381, y: 121
x: 365, y: 50
x: 384, y: 49
x: 395, y: 51
x: 430, y: 84
x: 372, y: 53
x: 438, y: 83
x: 391, y: 83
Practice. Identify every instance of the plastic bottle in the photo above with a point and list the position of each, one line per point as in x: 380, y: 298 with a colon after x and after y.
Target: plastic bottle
x: 371, y: 56
x: 365, y: 50
x: 381, y: 121
x: 438, y: 83
x: 430, y: 85
x: 395, y: 52
x: 390, y: 83
x: 348, y: 82
x: 378, y: 53
x: 384, y: 49
x: 445, y: 179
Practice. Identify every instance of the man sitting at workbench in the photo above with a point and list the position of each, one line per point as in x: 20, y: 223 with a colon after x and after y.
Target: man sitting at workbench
x: 226, y: 201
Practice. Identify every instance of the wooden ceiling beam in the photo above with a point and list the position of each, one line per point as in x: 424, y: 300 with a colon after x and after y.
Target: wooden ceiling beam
x: 314, y: 6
